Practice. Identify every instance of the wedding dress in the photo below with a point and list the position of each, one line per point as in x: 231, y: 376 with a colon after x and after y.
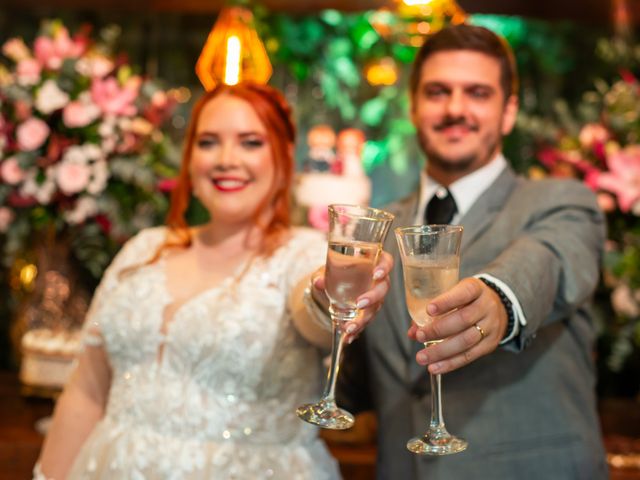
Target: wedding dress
x: 215, y: 396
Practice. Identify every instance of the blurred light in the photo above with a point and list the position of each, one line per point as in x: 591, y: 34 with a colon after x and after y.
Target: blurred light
x: 425, y: 17
x: 382, y: 21
x: 232, y: 61
x: 233, y: 51
x: 423, y: 28
x: 416, y: 3
x: 382, y: 72
x: 180, y: 95
x: 28, y: 274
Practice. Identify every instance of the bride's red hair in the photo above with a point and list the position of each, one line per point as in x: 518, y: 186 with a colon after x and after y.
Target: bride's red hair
x: 275, y: 114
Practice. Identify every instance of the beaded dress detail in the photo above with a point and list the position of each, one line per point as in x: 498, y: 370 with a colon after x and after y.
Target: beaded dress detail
x: 219, y: 402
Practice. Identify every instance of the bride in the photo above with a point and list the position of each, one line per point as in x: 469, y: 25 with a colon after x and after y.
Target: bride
x: 198, y: 345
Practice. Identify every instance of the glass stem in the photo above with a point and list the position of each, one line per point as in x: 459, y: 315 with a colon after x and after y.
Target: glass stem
x: 437, y: 422
x: 336, y: 351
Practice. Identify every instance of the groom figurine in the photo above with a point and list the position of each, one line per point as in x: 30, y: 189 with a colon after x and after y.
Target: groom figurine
x: 518, y: 335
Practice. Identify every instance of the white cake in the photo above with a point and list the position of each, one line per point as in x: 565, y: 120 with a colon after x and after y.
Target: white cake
x: 48, y: 357
x: 322, y: 189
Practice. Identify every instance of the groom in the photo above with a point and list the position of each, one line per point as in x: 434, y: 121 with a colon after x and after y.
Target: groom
x: 517, y: 354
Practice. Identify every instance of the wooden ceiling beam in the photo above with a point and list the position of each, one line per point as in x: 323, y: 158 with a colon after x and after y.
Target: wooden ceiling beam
x: 594, y: 11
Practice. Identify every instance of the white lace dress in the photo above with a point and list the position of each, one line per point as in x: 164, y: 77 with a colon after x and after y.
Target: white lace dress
x: 220, y: 403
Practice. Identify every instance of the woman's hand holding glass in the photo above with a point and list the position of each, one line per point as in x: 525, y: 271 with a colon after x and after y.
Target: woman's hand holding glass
x: 369, y: 302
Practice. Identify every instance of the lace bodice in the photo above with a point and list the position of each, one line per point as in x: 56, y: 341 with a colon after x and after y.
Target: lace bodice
x: 219, y: 402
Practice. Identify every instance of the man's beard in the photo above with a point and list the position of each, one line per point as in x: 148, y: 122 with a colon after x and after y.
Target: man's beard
x: 461, y: 164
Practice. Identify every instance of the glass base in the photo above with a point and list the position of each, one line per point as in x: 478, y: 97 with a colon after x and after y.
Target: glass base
x: 325, y: 415
x: 436, y: 444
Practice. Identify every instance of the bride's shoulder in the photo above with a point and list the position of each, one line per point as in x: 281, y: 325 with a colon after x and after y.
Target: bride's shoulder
x: 143, y: 245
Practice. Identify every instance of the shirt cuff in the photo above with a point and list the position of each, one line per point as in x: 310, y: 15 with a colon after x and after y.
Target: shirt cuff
x: 520, y: 319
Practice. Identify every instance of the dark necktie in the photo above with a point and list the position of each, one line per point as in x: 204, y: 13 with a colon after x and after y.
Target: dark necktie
x: 440, y: 210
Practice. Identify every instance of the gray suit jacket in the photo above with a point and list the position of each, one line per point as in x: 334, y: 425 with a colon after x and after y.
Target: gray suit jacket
x: 528, y: 410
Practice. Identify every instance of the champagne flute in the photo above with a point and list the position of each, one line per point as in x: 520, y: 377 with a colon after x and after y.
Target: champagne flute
x: 430, y: 263
x: 355, y: 242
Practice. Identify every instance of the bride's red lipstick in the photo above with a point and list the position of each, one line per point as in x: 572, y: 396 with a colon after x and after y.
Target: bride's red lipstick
x: 229, y: 184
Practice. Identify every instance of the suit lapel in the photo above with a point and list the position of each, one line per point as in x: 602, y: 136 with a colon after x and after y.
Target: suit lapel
x: 486, y: 207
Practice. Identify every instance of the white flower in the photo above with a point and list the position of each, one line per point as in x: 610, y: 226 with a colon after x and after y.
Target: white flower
x: 85, y: 207
x: 99, y: 177
x: 623, y: 301
x: 94, y: 66
x: 50, y: 98
x: 109, y: 144
x: 82, y: 154
x: 43, y: 192
x: 108, y: 126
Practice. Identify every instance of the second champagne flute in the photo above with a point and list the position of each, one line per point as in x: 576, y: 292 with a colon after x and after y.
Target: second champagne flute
x: 430, y: 262
x: 355, y: 241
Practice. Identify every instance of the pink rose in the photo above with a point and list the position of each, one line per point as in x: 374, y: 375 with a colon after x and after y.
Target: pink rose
x: 73, y: 177
x: 51, y: 52
x: 6, y: 217
x: 31, y: 134
x: 28, y: 71
x: 113, y: 99
x: 11, y: 172
x: 78, y: 114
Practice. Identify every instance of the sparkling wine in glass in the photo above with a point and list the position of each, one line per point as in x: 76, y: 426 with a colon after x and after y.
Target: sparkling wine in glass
x: 355, y: 242
x: 430, y: 263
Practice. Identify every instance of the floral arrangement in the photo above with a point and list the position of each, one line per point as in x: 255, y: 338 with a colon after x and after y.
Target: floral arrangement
x: 82, y: 147
x: 599, y: 143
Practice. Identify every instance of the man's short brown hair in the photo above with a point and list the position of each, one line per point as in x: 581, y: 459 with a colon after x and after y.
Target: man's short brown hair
x: 474, y: 38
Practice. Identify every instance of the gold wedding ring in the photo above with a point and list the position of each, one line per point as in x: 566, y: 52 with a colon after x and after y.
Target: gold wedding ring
x: 479, y: 328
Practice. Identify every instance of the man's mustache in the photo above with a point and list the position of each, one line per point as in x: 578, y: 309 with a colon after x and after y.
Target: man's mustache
x: 455, y: 122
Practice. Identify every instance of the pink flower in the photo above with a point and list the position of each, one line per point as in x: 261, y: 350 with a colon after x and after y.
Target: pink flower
x: 167, y: 184
x: 22, y: 110
x: 31, y: 134
x: 79, y: 114
x: 28, y: 71
x: 51, y: 52
x: 113, y: 99
x: 569, y: 164
x: 318, y: 217
x: 593, y: 134
x: 623, y: 178
x: 11, y: 172
x: 6, y: 217
x: 72, y: 177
